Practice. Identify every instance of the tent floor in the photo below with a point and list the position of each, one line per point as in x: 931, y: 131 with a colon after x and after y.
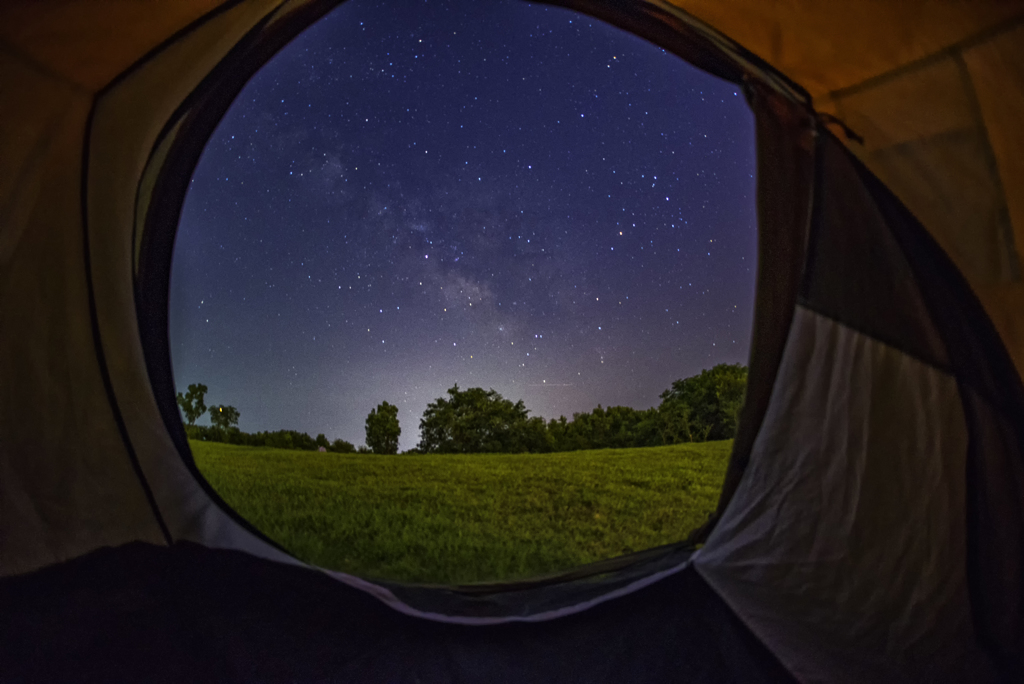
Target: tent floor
x: 187, y: 613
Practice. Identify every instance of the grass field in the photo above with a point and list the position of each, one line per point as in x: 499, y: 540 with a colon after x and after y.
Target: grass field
x: 467, y: 518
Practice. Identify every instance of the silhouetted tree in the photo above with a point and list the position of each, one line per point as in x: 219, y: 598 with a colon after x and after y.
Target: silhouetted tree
x: 709, y: 402
x: 615, y: 427
x: 476, y: 421
x: 668, y: 424
x: 695, y: 409
x: 382, y: 429
x: 223, y: 417
x: 192, y: 404
x: 340, y: 446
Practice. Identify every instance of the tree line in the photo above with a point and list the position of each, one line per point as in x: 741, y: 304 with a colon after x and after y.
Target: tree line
x: 224, y: 427
x: 695, y: 409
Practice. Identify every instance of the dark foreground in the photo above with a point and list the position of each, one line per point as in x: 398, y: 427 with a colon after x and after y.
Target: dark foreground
x: 143, y: 613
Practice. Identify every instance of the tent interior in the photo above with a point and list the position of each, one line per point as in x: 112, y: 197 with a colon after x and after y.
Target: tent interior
x: 872, y: 523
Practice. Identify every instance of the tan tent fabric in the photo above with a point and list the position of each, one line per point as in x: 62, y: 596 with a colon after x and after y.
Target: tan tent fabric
x: 936, y: 89
x: 74, y: 473
x: 126, y: 124
x: 996, y: 68
x: 827, y: 47
x: 90, y: 42
x: 66, y: 482
x: 924, y: 136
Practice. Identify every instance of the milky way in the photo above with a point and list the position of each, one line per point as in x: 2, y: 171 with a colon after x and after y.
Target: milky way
x: 413, y: 195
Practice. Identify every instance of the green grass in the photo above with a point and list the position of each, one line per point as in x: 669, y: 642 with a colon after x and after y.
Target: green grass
x: 467, y: 518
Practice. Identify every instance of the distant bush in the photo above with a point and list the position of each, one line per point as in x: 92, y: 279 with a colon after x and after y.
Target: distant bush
x: 615, y: 427
x: 279, y: 439
x: 340, y: 446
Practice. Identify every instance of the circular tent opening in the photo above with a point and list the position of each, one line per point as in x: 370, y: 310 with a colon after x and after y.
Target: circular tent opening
x: 396, y: 206
x: 115, y: 103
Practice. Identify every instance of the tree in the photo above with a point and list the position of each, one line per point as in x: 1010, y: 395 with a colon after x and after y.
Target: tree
x: 382, y: 429
x: 615, y: 427
x: 476, y: 421
x: 224, y: 417
x: 668, y: 424
x: 557, y: 433
x: 706, y: 406
x: 281, y: 439
x: 340, y: 446
x: 192, y: 404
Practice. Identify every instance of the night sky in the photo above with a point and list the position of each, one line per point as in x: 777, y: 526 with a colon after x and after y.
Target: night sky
x: 494, y: 194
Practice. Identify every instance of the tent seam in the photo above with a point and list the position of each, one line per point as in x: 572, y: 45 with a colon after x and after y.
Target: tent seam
x: 921, y: 62
x: 43, y: 69
x: 803, y: 304
x: 1006, y: 234
x: 739, y: 615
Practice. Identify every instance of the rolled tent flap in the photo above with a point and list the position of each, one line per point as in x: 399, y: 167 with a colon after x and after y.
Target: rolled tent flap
x: 785, y: 167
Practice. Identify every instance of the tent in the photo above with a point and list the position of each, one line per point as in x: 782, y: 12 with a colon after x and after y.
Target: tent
x: 872, y: 523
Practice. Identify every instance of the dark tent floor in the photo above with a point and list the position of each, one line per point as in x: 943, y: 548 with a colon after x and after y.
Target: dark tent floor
x: 188, y: 613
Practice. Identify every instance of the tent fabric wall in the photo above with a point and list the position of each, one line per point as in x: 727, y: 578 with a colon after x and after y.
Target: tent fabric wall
x: 936, y: 90
x: 67, y: 484
x: 86, y: 456
x: 89, y: 43
x: 875, y: 424
x: 829, y: 47
x: 870, y: 587
x: 866, y: 428
x: 128, y: 120
x: 913, y: 411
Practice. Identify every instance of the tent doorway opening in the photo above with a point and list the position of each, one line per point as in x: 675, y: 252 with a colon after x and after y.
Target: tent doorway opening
x: 401, y: 222
x: 871, y: 527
